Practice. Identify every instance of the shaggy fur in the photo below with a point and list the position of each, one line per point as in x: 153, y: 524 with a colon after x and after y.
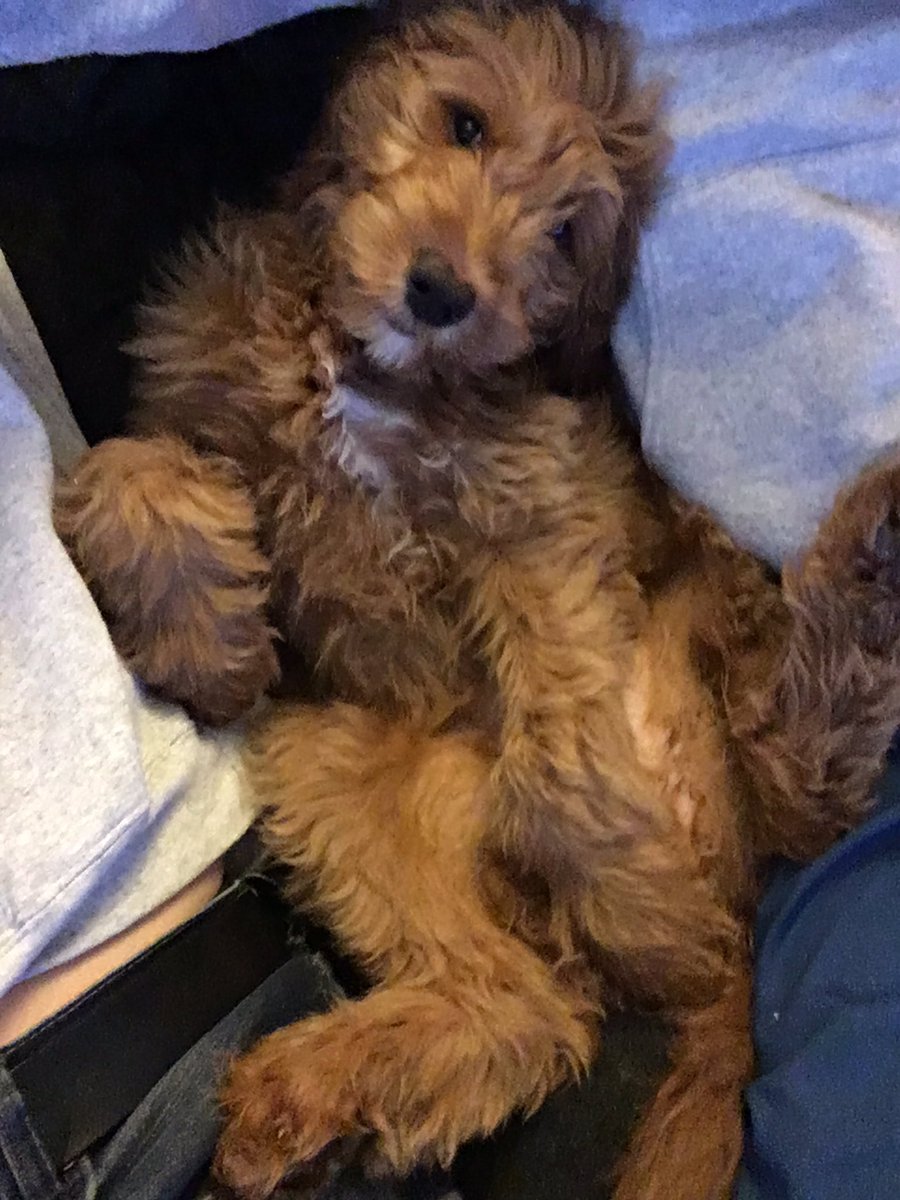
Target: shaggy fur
x: 564, y: 720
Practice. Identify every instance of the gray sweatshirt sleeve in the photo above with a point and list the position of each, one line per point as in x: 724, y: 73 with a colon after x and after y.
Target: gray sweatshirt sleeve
x: 109, y: 803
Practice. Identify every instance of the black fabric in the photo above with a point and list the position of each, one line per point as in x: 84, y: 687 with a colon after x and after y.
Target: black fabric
x: 122, y: 1036
x: 570, y: 1148
x: 105, y: 164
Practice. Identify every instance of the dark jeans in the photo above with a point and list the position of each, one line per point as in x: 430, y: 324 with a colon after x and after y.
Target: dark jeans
x: 823, y: 1112
x: 163, y: 1149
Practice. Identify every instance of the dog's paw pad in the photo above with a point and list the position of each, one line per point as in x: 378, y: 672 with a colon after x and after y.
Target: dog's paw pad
x: 287, y: 1116
x: 859, y: 542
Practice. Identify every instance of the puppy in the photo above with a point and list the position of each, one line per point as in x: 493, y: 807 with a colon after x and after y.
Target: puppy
x: 562, y: 720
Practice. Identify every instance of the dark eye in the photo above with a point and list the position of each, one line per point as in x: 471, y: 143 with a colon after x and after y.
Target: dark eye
x: 467, y: 127
x: 562, y: 235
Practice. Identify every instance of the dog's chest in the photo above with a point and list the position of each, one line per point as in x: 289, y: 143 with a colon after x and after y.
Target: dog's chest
x: 384, y: 450
x: 400, y: 490
x: 367, y: 440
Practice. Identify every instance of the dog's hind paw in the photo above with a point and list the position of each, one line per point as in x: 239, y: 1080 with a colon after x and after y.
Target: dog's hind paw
x: 856, y: 554
x: 291, y: 1118
x: 885, y: 554
x: 859, y: 541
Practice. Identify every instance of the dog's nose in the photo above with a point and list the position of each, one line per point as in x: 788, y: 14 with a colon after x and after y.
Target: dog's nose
x: 435, y: 294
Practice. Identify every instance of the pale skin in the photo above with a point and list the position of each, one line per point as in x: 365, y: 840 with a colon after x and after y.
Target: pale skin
x: 36, y: 999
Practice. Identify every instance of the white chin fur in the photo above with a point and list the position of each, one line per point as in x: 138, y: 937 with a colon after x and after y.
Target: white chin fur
x: 392, y: 349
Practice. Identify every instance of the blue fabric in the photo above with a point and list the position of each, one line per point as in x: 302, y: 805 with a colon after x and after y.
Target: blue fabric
x: 823, y: 1114
x: 31, y: 32
x: 762, y: 339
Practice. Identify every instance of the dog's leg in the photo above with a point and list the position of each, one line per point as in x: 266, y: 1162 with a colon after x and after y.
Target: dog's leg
x: 166, y: 541
x: 466, y: 1025
x: 665, y: 936
x: 664, y: 916
x: 813, y: 733
x: 557, y: 610
x: 575, y: 802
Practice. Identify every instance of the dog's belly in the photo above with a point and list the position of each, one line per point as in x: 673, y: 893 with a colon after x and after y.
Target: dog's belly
x: 678, y: 736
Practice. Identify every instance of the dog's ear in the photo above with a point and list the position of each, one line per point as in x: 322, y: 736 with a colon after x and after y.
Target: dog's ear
x: 312, y: 191
x: 606, y: 231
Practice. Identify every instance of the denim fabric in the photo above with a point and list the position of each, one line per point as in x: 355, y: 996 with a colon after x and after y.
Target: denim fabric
x: 823, y: 1114
x: 163, y: 1149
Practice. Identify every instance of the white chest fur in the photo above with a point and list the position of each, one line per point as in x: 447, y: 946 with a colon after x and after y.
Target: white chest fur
x: 366, y: 433
x: 377, y: 445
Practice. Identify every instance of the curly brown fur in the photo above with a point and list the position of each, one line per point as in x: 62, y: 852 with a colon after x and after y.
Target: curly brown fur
x: 167, y: 542
x: 464, y: 1011
x: 813, y: 732
x: 568, y: 717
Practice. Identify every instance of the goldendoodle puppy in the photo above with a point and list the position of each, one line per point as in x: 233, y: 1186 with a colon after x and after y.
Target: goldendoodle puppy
x: 562, y: 720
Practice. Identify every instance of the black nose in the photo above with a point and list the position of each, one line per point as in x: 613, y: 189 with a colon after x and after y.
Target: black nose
x: 434, y: 292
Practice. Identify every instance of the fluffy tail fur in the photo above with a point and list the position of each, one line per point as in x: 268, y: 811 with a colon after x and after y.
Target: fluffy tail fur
x: 689, y: 1142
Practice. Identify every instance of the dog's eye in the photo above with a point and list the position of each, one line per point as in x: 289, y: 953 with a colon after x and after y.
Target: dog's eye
x: 467, y: 127
x: 562, y: 235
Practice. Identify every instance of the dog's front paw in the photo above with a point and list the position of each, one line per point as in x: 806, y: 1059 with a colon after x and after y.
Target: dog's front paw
x: 166, y: 541
x: 289, y: 1114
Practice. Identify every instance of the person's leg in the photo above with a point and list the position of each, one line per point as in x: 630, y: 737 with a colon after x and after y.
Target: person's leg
x: 26, y: 1172
x: 823, y: 1112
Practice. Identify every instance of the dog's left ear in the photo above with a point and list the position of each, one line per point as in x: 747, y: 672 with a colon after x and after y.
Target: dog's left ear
x: 606, y: 232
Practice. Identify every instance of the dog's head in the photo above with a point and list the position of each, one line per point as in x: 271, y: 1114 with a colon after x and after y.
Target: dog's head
x: 480, y: 182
